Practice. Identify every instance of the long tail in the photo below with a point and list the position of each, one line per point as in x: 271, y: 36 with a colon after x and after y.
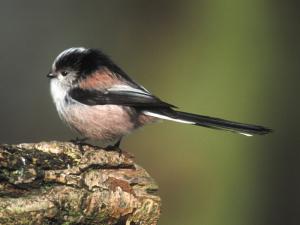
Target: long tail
x: 211, y: 122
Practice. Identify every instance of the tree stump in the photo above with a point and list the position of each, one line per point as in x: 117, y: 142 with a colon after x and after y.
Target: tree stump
x: 63, y: 183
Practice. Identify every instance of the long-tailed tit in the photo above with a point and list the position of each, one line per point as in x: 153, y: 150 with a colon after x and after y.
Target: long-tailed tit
x: 100, y: 101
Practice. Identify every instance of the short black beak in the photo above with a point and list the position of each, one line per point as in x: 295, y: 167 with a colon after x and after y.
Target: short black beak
x: 51, y: 75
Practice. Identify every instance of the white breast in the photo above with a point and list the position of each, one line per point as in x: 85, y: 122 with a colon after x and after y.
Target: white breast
x: 59, y: 94
x: 106, y: 123
x: 57, y: 91
x: 65, y: 105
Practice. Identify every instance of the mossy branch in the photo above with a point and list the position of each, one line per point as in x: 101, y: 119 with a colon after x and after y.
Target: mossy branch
x: 61, y: 183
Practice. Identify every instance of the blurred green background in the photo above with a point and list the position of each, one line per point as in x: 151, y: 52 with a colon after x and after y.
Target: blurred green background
x: 227, y: 58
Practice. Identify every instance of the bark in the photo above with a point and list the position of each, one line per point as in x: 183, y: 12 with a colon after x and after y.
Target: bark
x: 63, y: 183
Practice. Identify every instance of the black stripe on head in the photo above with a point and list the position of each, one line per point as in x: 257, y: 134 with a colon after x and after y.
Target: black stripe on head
x: 85, y: 61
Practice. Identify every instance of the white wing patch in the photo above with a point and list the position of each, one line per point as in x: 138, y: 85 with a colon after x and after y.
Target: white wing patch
x: 248, y: 135
x: 166, y: 117
x: 123, y: 87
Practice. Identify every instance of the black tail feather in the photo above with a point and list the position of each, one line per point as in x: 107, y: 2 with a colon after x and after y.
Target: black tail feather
x: 216, y: 123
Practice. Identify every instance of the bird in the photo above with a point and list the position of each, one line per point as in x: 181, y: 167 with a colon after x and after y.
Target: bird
x: 101, y: 102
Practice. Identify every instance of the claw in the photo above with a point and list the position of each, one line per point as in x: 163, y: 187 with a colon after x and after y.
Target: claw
x: 115, y: 147
x: 80, y: 142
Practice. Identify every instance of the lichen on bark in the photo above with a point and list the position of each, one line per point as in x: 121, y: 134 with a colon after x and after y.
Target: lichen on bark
x: 63, y: 183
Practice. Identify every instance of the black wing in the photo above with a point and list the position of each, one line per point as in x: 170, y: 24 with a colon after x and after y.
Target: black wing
x: 131, y: 97
x: 153, y: 106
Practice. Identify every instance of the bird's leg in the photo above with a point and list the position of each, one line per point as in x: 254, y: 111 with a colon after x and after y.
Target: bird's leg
x: 80, y: 142
x: 115, y: 147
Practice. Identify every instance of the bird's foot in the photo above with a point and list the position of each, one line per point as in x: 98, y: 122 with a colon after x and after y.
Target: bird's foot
x: 114, y: 148
x: 80, y: 142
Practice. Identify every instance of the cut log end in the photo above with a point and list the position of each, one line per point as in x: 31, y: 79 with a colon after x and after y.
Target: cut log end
x: 62, y: 183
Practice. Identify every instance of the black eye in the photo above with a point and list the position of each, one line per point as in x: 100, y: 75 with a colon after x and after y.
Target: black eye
x: 64, y: 73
